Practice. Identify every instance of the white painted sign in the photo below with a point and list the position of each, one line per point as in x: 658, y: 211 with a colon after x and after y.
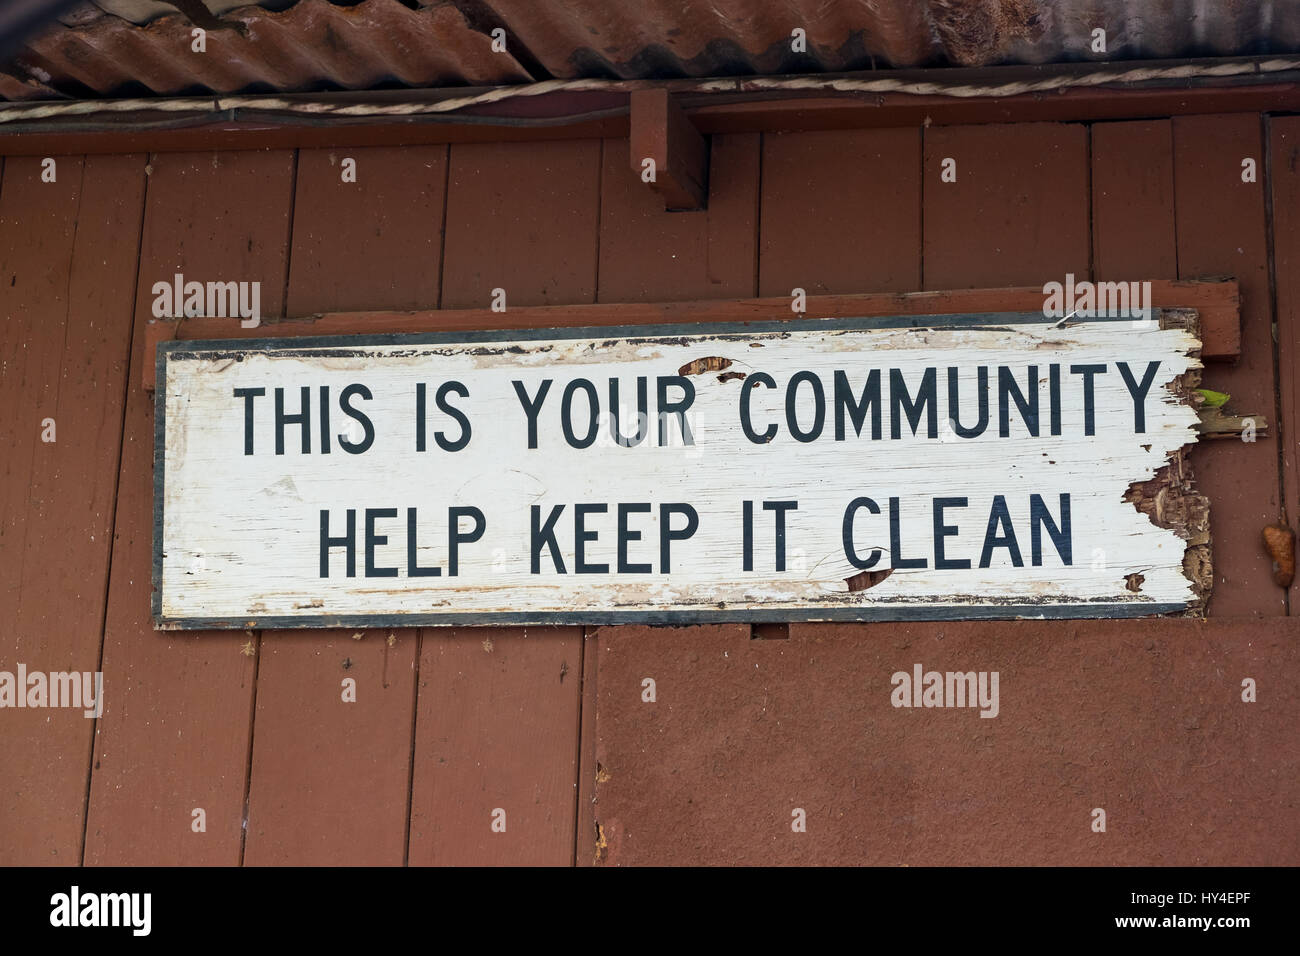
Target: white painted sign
x: 838, y: 469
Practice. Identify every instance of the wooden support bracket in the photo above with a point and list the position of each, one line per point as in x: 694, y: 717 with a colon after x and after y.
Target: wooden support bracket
x: 662, y: 134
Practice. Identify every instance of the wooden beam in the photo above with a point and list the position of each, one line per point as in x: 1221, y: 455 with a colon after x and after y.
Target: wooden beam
x: 1216, y: 302
x: 710, y: 114
x: 589, y: 109
x: 661, y: 133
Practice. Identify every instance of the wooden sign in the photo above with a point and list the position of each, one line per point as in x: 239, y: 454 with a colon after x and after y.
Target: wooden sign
x: 997, y: 465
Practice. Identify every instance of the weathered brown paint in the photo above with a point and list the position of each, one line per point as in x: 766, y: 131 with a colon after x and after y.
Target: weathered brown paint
x: 524, y: 221
x: 1221, y: 230
x: 1133, y: 235
x: 67, y: 318
x: 1017, y: 212
x: 331, y: 778
x: 1284, y: 181
x: 378, y: 239
x: 177, y: 710
x: 497, y: 729
x: 648, y: 254
x: 497, y: 708
x: 372, y: 243
x: 38, y: 233
x: 1142, y: 719
x: 841, y: 212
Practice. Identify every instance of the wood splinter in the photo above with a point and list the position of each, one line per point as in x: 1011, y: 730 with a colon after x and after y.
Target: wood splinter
x: 1216, y: 423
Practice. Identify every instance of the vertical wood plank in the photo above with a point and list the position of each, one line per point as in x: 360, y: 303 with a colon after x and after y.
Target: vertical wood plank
x: 57, y: 496
x: 841, y: 212
x: 37, y: 231
x: 1017, y: 213
x: 524, y: 219
x: 496, y: 731
x: 1133, y: 235
x: 649, y: 255
x: 371, y: 244
x: 72, y: 493
x: 177, y: 707
x: 1221, y: 231
x: 330, y: 778
x: 1284, y: 182
x: 497, y: 708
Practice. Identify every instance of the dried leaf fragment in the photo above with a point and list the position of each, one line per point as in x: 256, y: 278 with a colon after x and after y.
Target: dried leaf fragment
x: 1279, y: 539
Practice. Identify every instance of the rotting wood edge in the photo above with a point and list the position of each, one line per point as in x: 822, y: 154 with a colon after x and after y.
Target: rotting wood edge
x: 1169, y: 499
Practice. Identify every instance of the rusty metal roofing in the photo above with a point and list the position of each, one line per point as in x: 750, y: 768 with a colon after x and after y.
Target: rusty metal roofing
x: 135, y: 48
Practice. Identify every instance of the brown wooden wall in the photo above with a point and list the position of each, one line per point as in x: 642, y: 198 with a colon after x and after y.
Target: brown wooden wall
x: 1144, y: 719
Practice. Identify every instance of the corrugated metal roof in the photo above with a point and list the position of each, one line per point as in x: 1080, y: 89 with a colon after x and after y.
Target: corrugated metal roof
x: 119, y: 48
